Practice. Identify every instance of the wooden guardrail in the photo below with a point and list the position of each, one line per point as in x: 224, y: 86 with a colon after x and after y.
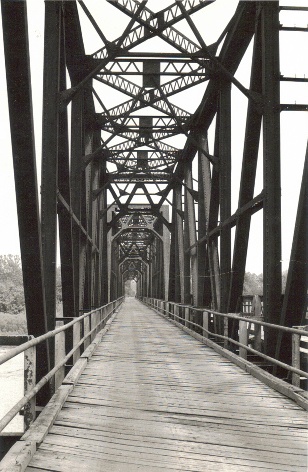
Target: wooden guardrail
x: 85, y: 328
x: 209, y: 325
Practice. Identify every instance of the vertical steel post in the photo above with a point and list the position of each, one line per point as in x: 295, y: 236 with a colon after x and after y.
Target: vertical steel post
x: 271, y: 168
x: 204, y: 197
x: 249, y: 167
x: 225, y: 191
x: 213, y: 222
x: 64, y: 217
x: 176, y: 275
x: 192, y: 236
x: 16, y: 50
x: 50, y: 150
x: 166, y: 251
x: 294, y: 305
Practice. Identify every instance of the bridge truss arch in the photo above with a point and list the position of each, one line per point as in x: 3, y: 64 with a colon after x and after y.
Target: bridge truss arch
x: 116, y: 185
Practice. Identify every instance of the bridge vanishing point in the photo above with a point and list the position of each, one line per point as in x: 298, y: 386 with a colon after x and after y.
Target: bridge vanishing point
x: 140, y: 189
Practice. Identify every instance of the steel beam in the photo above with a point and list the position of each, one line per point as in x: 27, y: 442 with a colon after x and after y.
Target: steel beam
x: 17, y: 61
x: 249, y: 168
x: 225, y: 191
x: 176, y: 267
x: 204, y: 198
x: 64, y: 217
x: 50, y: 152
x: 271, y: 169
x: 294, y: 307
x: 191, y: 236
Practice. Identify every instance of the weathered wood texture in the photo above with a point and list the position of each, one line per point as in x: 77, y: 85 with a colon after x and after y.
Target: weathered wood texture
x: 153, y: 398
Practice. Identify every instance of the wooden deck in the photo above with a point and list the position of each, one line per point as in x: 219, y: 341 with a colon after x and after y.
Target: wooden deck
x: 154, y: 399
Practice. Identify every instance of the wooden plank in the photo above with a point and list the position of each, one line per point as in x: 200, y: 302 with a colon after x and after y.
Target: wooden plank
x: 165, y: 458
x: 295, y: 394
x: 39, y: 429
x: 100, y: 407
x: 75, y: 372
x: 66, y: 463
x: 165, y: 443
x: 185, y: 429
x: 19, y: 457
x: 153, y: 398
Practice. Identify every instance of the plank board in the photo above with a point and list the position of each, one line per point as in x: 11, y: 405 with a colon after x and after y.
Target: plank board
x: 152, y: 398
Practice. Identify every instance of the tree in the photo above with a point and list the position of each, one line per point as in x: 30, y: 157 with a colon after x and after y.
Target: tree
x: 253, y: 284
x: 11, y: 285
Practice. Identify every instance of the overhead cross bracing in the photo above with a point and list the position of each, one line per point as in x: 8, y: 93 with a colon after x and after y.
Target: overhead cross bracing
x: 138, y: 156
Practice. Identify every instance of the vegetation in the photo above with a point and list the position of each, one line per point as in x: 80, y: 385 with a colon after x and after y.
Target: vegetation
x: 12, y: 303
x: 253, y: 283
x: 11, y: 285
x: 13, y: 324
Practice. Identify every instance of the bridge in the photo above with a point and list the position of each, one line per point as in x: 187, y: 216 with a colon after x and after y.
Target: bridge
x: 153, y: 184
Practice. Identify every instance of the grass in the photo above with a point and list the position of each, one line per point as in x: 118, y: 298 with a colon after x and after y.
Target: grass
x: 13, y: 324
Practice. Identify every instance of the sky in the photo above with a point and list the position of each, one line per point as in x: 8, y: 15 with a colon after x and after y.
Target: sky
x: 210, y: 21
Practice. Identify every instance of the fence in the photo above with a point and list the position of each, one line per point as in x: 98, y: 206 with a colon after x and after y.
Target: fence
x: 81, y: 331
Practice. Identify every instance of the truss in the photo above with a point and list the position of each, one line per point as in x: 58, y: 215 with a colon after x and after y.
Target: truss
x: 139, y: 188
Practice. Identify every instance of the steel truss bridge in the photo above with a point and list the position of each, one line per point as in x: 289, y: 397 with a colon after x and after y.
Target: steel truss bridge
x: 134, y: 187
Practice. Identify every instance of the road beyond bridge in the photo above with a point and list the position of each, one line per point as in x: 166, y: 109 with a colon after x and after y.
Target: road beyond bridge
x: 153, y: 398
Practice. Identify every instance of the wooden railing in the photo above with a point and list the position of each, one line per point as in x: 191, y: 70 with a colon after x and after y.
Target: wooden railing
x: 213, y: 328
x: 84, y: 327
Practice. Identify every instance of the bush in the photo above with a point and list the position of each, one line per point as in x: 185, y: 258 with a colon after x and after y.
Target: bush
x: 13, y: 324
x: 11, y: 285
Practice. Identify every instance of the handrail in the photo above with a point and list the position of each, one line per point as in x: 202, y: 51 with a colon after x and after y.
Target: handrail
x: 294, y: 331
x: 235, y: 316
x: 35, y: 341
x: 249, y: 349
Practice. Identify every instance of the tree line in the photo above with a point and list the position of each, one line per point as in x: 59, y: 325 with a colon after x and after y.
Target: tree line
x: 12, y: 298
x: 12, y: 292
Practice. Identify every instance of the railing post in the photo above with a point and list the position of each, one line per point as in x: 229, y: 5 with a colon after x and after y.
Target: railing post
x: 29, y: 383
x: 76, y: 339
x: 296, y: 338
x: 205, y: 323
x: 87, y: 324
x: 243, y: 338
x: 226, y: 331
x: 216, y: 324
x: 176, y: 313
x: 187, y: 317
x: 93, y: 325
x: 59, y: 355
x: 96, y: 317
x: 258, y: 337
